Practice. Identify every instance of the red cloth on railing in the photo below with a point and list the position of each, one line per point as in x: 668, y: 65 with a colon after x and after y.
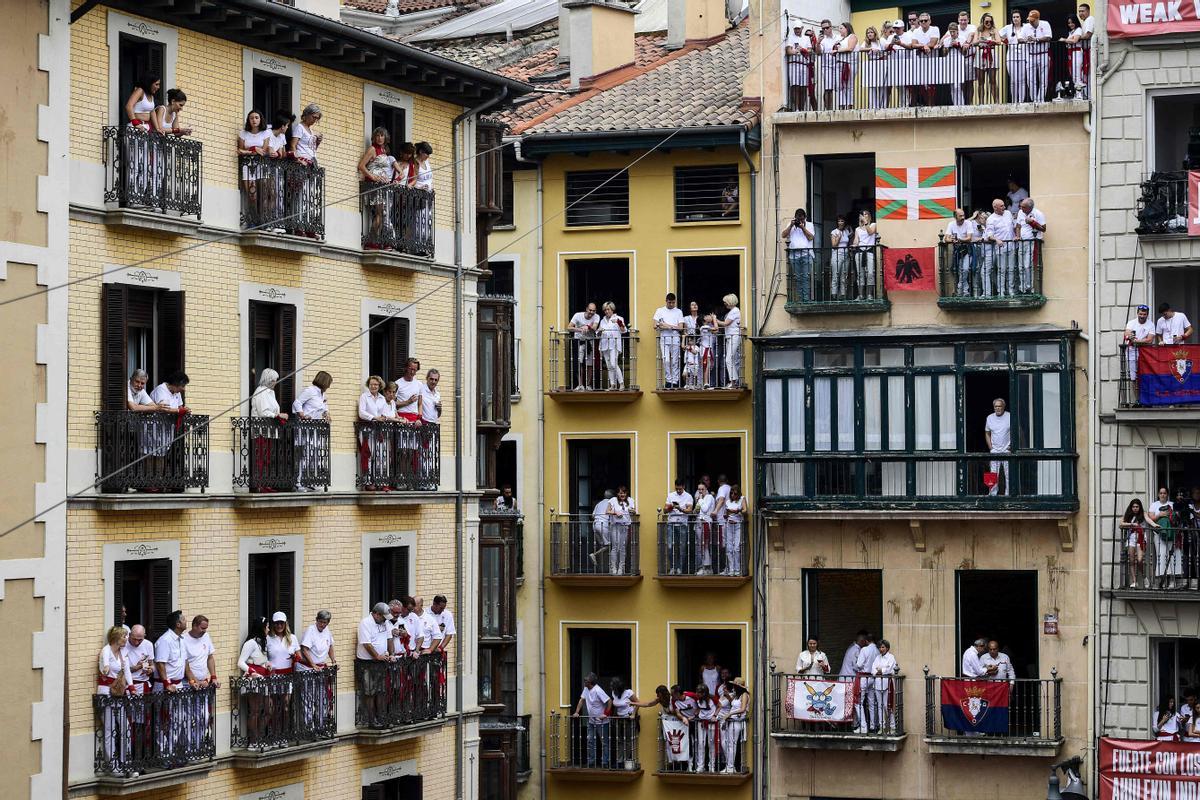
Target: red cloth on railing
x: 255, y: 669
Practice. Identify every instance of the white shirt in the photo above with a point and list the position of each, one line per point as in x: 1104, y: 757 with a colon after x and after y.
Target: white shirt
x: 594, y: 699
x: 197, y: 652
x: 710, y: 677
x: 971, y: 666
x: 306, y: 141
x: 416, y: 632
x: 251, y: 140
x: 370, y: 406
x: 169, y: 650
x: 621, y: 511
x: 311, y: 403
x: 1000, y: 428
x: 678, y: 514
x: 841, y: 237
x: 1011, y: 34
x: 373, y: 633
x: 801, y: 237
x: 1140, y: 330
x: 669, y: 316
x: 866, y: 658
x: 600, y: 512
x: 588, y: 324
x: 319, y: 643
x: 1000, y: 227
x: 1173, y: 328
x: 827, y: 44
x: 424, y: 175
x: 407, y: 393
x: 1157, y: 506
x: 734, y: 318
x: 162, y: 394
x: 112, y: 664
x: 864, y: 238
x: 961, y: 231
x: 1041, y: 35
x: 430, y: 399
x: 733, y: 509
x: 686, y: 706
x: 850, y: 659
x: 251, y: 653
x: 1089, y: 25
x: 140, y: 397
x: 277, y: 141
x: 1004, y: 667
x: 807, y: 663
x: 704, y: 508
x: 1014, y: 200
x: 611, y: 330
x: 264, y: 403
x: 1028, y: 231
x: 280, y: 651
x: 883, y: 664
x: 964, y: 32
x: 918, y: 36
x: 622, y: 705
x: 135, y: 654
x: 443, y: 624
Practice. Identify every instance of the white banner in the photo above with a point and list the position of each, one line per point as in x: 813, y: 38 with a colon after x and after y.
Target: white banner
x: 814, y: 700
x: 678, y: 743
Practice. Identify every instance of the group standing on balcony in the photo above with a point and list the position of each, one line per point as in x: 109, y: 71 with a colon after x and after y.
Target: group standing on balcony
x: 1167, y: 535
x: 1172, y: 327
x: 849, y: 272
x: 704, y: 532
x: 391, y: 417
x: 999, y: 254
x: 393, y: 212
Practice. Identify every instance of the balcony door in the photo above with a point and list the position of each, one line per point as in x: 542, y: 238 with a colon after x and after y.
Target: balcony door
x: 138, y: 59
x: 272, y: 93
x: 711, y: 456
x: 388, y: 346
x: 392, y: 120
x: 838, y: 603
x: 388, y: 574
x: 273, y: 586
x: 692, y: 645
x: 596, y: 466
x: 598, y: 280
x: 273, y: 346
x: 141, y: 329
x: 407, y: 787
x: 983, y: 174
x: 1000, y: 605
x: 706, y: 280
x: 143, y: 589
x: 607, y: 652
x: 843, y: 184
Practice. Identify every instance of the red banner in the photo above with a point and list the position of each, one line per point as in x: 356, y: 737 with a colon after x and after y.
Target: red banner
x: 1134, y: 769
x: 909, y: 270
x: 1128, y: 18
x: 1193, y: 212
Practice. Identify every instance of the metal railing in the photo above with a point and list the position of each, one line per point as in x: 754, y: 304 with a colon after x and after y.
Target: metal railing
x: 404, y: 691
x: 982, y: 74
x: 394, y: 454
x: 714, y: 746
x: 592, y: 364
x: 845, y: 276
x: 524, y: 735
x: 274, y: 456
x: 139, y: 733
x: 1156, y: 559
x: 269, y: 712
x: 698, y: 361
x: 1162, y: 206
x: 1128, y: 392
x: 582, y: 545
x: 798, y: 700
x: 175, y: 447
x: 282, y: 195
x: 152, y: 171
x: 397, y: 217
x: 690, y: 546
x: 604, y: 743
x: 997, y: 271
x: 1034, y: 712
x: 705, y: 194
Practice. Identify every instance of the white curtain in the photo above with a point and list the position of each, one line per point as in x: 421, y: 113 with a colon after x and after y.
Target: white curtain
x: 773, y: 416
x: 822, y: 413
x: 1050, y: 473
x: 947, y: 413
x: 872, y: 412
x: 845, y: 390
x: 795, y: 404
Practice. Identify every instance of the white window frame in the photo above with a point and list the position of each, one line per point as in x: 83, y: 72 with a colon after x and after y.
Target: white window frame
x: 385, y: 772
x: 372, y: 541
x: 293, y: 791
x: 566, y: 694
x: 119, y: 24
x: 142, y: 277
x: 373, y: 93
x: 265, y: 62
x: 271, y: 544
x: 1149, y: 145
x: 264, y: 293
x: 383, y: 308
x: 673, y: 626
x: 136, y: 551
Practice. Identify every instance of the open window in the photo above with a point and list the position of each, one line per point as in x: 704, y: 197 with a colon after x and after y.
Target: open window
x: 704, y: 194
x: 983, y: 175
x: 1177, y: 285
x: 388, y: 346
x: 273, y: 346
x: 272, y: 93
x: 692, y: 646
x: 137, y: 59
x: 142, y: 329
x: 272, y: 585
x: 709, y: 456
x: 407, y: 787
x: 607, y: 652
x: 506, y: 468
x: 143, y: 589
x: 1176, y: 131
x: 391, y: 119
x: 1175, y: 469
x: 1001, y: 605
x: 388, y: 574
x: 706, y: 280
x: 838, y: 603
x: 1176, y: 669
x: 508, y: 167
x: 839, y: 185
x: 598, y: 280
x: 596, y: 465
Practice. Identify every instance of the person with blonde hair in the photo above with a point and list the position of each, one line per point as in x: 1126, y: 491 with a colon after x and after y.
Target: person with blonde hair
x: 310, y: 405
x: 612, y: 334
x: 372, y: 444
x: 113, y: 679
x: 732, y: 340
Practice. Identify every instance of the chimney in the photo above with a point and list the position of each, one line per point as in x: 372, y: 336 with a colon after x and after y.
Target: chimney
x: 601, y: 37
x: 694, y: 20
x: 564, y: 32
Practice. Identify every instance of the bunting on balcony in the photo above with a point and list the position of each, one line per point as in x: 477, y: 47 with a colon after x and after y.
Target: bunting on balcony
x: 817, y: 700
x: 914, y: 192
x: 975, y: 706
x: 908, y: 269
x: 1168, y: 375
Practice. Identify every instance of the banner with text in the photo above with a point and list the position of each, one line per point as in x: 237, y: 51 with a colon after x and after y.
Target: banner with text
x: 1168, y: 374
x: 1135, y: 769
x: 1128, y: 18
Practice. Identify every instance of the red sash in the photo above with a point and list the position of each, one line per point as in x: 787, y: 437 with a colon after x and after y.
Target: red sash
x: 284, y: 671
x: 408, y: 416
x: 104, y: 680
x: 255, y: 669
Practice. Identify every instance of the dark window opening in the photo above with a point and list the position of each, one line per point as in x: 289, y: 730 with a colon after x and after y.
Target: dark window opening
x: 598, y: 197
x: 273, y: 346
x: 1177, y: 671
x: 502, y: 281
x: 137, y: 59
x: 1179, y: 286
x: 387, y: 349
x: 608, y: 652
x: 272, y: 585
x: 598, y: 280
x: 980, y: 389
x: 272, y: 93
x: 506, y: 467
x: 838, y: 603
x: 508, y: 168
x: 144, y: 589
x: 839, y: 185
x: 596, y: 465
x: 693, y: 645
x: 497, y: 773
x: 983, y: 175
x: 695, y: 458
x: 407, y: 787
x: 1176, y: 132
x: 392, y: 120
x: 1175, y: 470
x: 706, y: 280
x: 1000, y: 605
x: 388, y: 574
x: 706, y: 193
x: 142, y: 329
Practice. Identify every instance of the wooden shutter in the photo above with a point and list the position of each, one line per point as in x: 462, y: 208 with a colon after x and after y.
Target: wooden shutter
x: 399, y: 567
x: 410, y: 788
x: 156, y: 65
x: 114, y: 377
x: 161, y: 598
x: 169, y: 333
x: 398, y: 329
x: 287, y: 357
x: 260, y: 574
x: 252, y: 328
x: 118, y: 590
x: 373, y: 792
x: 285, y: 586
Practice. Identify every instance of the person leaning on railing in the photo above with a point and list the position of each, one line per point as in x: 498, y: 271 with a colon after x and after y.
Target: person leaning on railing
x: 1139, y: 332
x: 374, y: 635
x: 373, y: 445
x: 612, y: 331
x: 1031, y: 229
x: 799, y: 50
x: 733, y: 708
x: 310, y: 405
x: 847, y: 65
x: 986, y: 56
x: 1015, y: 58
x: 1134, y: 529
x: 254, y: 667
x: 264, y: 435
x: 113, y: 680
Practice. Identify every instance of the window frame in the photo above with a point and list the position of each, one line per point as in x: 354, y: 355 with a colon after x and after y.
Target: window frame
x: 608, y: 183
x: 499, y: 534
x: 272, y: 544
x: 119, y: 25
x: 147, y: 550
x: 267, y: 63
x: 372, y: 541
x: 568, y: 694
x: 719, y: 173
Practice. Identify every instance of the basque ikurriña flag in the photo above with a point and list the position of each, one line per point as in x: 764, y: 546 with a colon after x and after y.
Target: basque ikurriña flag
x: 914, y: 192
x: 975, y: 706
x: 1168, y: 375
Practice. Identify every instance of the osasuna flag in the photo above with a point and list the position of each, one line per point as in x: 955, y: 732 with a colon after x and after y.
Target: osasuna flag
x: 914, y: 192
x: 908, y: 269
x: 1169, y: 374
x: 1193, y: 210
x: 676, y: 740
x: 975, y: 706
x: 813, y: 700
x: 1143, y: 768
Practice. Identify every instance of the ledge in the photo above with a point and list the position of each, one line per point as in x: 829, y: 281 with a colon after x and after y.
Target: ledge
x: 583, y: 228
x: 692, y: 395
x: 138, y: 219
x: 597, y: 581
x: 840, y: 741
x: 254, y: 759
x: 950, y: 514
x: 390, y: 735
x: 280, y: 241
x: 1166, y: 414
x: 1154, y: 595
x: 839, y: 307
x: 395, y: 261
x: 690, y: 581
x: 599, y: 775
x: 992, y: 746
x: 991, y: 304
x: 703, y: 778
x: 568, y: 396
x: 139, y: 501
x: 702, y: 223
x: 110, y: 786
x: 937, y: 112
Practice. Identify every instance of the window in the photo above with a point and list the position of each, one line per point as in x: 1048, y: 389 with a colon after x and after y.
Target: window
x: 598, y: 280
x: 407, y: 787
x: 502, y: 281
x: 495, y: 322
x: 489, y: 169
x: 1176, y: 669
x: 837, y: 604
x: 272, y: 93
x: 497, y: 778
x: 839, y: 185
x: 273, y: 346
x: 388, y: 346
x: 608, y: 652
x: 388, y: 574
x: 498, y: 677
x: 508, y: 167
x: 272, y: 584
x: 1176, y: 141
x: 706, y: 193
x: 143, y: 588
x: 598, y: 197
x: 706, y: 280
x: 497, y: 581
x: 1179, y: 286
x: 692, y: 645
x: 983, y: 175
x: 1001, y: 605
x: 391, y: 119
x: 596, y: 465
x: 506, y: 468
x: 711, y: 456
x: 137, y: 59
x: 142, y: 329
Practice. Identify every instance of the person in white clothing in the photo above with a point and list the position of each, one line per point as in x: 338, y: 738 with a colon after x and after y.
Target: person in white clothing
x: 710, y: 672
x: 139, y: 652
x: 999, y: 256
x: 733, y: 341
x: 704, y: 531
x: 998, y: 432
x: 598, y: 705
x: 827, y: 60
x: 959, y: 235
x: 997, y: 665
x: 923, y: 41
x: 265, y: 422
x: 113, y: 667
x: 408, y: 393
x: 954, y: 63
x: 583, y: 327
x: 1087, y: 27
x: 846, y: 60
x: 316, y: 655
x: 972, y: 667
x: 1139, y: 332
x: 283, y: 650
x: 428, y: 438
x: 1036, y: 36
x: 443, y: 621
x: 620, y: 519
x: 668, y: 323
x: 374, y: 446
x: 678, y: 507
x: 735, y: 510
x: 311, y: 405
x: 625, y: 704
x: 812, y: 660
x: 1031, y: 230
x: 252, y: 151
x: 734, y: 709
x: 600, y: 542
x: 1166, y: 722
x: 374, y: 634
x: 254, y: 690
x: 170, y: 661
x: 840, y: 239
x: 1016, y: 58
x: 705, y: 735
x: 800, y: 238
x: 612, y: 344
x: 863, y: 708
x: 883, y: 670
x: 875, y: 75
x: 305, y: 200
x: 865, y: 240
x: 851, y: 656
x: 200, y: 672
x: 1173, y: 326
x: 431, y: 398
x: 160, y: 432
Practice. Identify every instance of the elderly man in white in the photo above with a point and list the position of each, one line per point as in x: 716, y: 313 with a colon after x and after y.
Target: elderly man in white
x: 1031, y: 228
x: 999, y: 256
x: 998, y: 433
x: 996, y: 665
x: 972, y: 667
x: 864, y: 708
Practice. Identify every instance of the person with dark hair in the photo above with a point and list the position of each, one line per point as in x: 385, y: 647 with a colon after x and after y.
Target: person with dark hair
x: 142, y: 100
x: 812, y: 660
x: 827, y: 60
x: 734, y: 510
x: 624, y: 712
x: 1166, y: 720
x: 620, y: 511
x: 800, y: 238
x: 254, y: 666
x: 505, y: 501
x: 734, y: 706
x: 864, y: 707
x: 847, y: 65
x: 839, y: 258
x: 170, y: 661
x: 599, y: 707
x: 678, y: 507
x: 376, y: 169
x: 704, y: 740
x: 304, y: 191
x: 668, y: 323
x: 159, y: 432
x: 444, y: 630
x: 166, y: 117
x: 251, y: 142
x: 423, y: 178
x: 851, y: 656
x: 408, y: 393
x: 1134, y: 525
x: 1173, y: 326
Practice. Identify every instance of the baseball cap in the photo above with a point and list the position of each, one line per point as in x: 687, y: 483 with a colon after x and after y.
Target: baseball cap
x: 1143, y: 308
x: 279, y: 616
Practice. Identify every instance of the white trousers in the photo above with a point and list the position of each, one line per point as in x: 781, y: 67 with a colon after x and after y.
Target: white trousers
x: 1018, y: 79
x: 999, y: 467
x: 704, y: 759
x: 733, y: 358
x: 669, y: 348
x: 881, y: 718
x: 731, y: 737
x: 619, y: 536
x: 1037, y: 70
x: 612, y: 361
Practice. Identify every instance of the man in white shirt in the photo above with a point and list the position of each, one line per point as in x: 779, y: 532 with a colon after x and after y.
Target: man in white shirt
x: 140, y: 654
x: 972, y: 667
x: 1016, y: 193
x: 1031, y: 228
x: 599, y: 542
x: 596, y: 701
x: 443, y: 623
x: 374, y: 633
x: 1088, y: 23
x: 1173, y: 326
x: 1139, y: 332
x: 851, y: 657
x: 1000, y: 259
x: 799, y: 236
x: 170, y: 661
x: 998, y: 433
x: 862, y: 667
x: 996, y: 665
x: 316, y: 653
x: 959, y: 234
x: 583, y: 326
x: 923, y: 40
x: 1036, y: 36
x: 679, y: 505
x: 199, y: 669
x: 431, y: 399
x: 668, y: 322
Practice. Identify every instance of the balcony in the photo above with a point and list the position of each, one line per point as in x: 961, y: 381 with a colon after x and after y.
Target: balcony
x: 604, y: 750
x: 837, y: 280
x: 1034, y: 717
x: 596, y: 554
x: 271, y: 456
x: 793, y: 722
x: 1162, y: 206
x: 931, y: 480
x: 151, y: 181
x: 580, y: 371
x: 1146, y: 565
x: 899, y: 84
x: 979, y: 276
x: 397, y: 226
x: 692, y: 553
x: 719, y: 752
x: 524, y: 761
x: 399, y: 699
x: 283, y: 204
x: 151, y: 451
x: 700, y: 366
x: 398, y: 455
x: 148, y: 741
x: 279, y: 718
x: 1129, y: 400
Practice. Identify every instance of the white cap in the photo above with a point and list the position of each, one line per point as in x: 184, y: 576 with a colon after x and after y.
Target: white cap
x: 279, y: 616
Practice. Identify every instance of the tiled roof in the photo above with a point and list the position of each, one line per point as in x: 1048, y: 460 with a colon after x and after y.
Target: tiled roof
x: 497, y: 53
x: 406, y: 6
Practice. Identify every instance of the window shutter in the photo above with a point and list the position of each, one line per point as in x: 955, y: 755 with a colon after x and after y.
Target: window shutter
x: 399, y: 558
x: 410, y: 787
x: 252, y: 328
x: 161, y: 598
x: 113, y: 379
x: 287, y: 357
x: 399, y: 332
x: 118, y: 590
x: 156, y: 65
x: 373, y: 792
x: 285, y: 587
x: 170, y: 333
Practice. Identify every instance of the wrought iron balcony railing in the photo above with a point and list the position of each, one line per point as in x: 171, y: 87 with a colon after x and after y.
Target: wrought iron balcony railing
x: 151, y: 451
x: 524, y: 762
x: 398, y: 218
x: 394, y: 454
x: 282, y: 195
x: 406, y: 691
x: 990, y: 274
x: 715, y: 747
x: 274, y: 456
x: 983, y: 74
x: 588, y: 365
x: 152, y: 171
x: 271, y: 712
x: 1162, y: 206
x: 585, y: 743
x: 796, y: 705
x: 688, y: 546
x: 584, y: 546
x: 699, y: 361
x: 140, y: 733
x: 833, y: 279
x: 1034, y: 712
x: 1158, y: 560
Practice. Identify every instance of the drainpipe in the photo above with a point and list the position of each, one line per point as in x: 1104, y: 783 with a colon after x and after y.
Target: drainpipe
x: 459, y: 743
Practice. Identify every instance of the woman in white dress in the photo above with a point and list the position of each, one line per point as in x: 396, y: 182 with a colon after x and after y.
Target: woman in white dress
x: 1015, y: 57
x: 865, y: 240
x: 883, y: 716
x: 986, y: 55
x: 736, y: 508
x: 839, y: 258
x: 812, y: 661
x: 376, y: 169
x: 113, y: 679
x: 612, y: 335
x: 734, y: 707
x: 265, y: 422
x: 310, y: 405
x: 875, y: 76
x: 255, y: 667
x: 847, y: 66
